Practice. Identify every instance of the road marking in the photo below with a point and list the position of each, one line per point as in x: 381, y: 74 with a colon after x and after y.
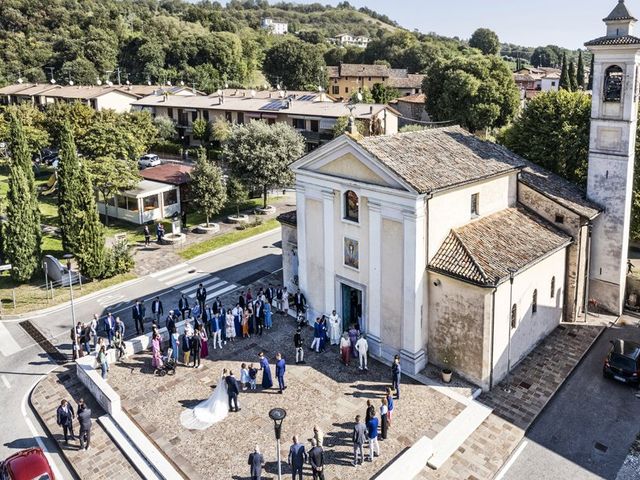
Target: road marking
x: 8, y: 346
x: 168, y: 270
x: 6, y: 381
x: 204, y: 283
x: 505, y: 468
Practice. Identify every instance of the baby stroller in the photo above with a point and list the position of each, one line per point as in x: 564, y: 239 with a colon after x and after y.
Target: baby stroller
x: 168, y: 364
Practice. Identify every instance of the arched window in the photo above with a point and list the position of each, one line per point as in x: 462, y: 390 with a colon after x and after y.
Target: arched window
x: 534, y: 302
x: 613, y: 84
x: 351, y: 206
x: 553, y: 286
x: 514, y: 315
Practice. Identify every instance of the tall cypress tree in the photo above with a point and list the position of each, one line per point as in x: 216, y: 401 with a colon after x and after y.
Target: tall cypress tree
x: 565, y: 81
x: 90, y: 249
x: 590, y: 84
x: 68, y: 191
x: 580, y: 73
x: 573, y: 82
x: 21, y: 233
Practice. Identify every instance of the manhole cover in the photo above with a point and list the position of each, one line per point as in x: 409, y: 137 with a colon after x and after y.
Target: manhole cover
x: 600, y: 447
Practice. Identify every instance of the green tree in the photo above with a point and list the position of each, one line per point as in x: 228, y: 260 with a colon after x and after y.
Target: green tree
x: 580, y: 72
x: 201, y: 130
x: 486, y: 41
x: 221, y: 130
x: 553, y: 132
x: 209, y: 192
x: 69, y: 192
x: 33, y: 123
x: 590, y: 83
x: 565, y: 79
x: 166, y: 128
x: 544, y: 57
x: 478, y: 92
x: 340, y: 127
x: 573, y: 82
x: 383, y: 94
x: 21, y: 233
x: 294, y: 65
x: 111, y: 175
x: 260, y: 154
x: 236, y: 193
x: 78, y: 115
x: 365, y: 96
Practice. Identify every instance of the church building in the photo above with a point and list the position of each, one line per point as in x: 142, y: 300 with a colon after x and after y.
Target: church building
x: 449, y: 249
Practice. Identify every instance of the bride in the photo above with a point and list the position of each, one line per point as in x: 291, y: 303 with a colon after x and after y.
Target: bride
x: 211, y: 411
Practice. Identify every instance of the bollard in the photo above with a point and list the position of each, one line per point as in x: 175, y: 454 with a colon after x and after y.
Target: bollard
x: 14, y: 298
x: 52, y: 291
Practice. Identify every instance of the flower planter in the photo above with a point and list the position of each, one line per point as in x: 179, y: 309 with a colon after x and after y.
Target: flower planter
x: 207, y: 228
x: 268, y: 210
x: 174, y: 238
x: 238, y: 218
x: 446, y: 375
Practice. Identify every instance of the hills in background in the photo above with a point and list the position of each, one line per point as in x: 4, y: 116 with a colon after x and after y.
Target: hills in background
x: 204, y: 43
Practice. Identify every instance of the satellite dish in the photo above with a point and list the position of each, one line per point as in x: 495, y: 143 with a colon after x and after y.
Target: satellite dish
x: 278, y: 86
x: 266, y: 87
x: 149, y: 82
x: 252, y: 93
x: 53, y: 81
x: 169, y: 82
x: 20, y: 80
x: 110, y: 83
x: 281, y: 94
x: 181, y: 83
x: 128, y: 82
x: 320, y: 89
x: 359, y: 97
x: 99, y: 82
x: 226, y: 85
x: 219, y: 92
x: 71, y: 82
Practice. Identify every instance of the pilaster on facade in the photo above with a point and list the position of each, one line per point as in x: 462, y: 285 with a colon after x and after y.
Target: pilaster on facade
x: 375, y: 281
x: 328, y: 197
x: 302, y: 236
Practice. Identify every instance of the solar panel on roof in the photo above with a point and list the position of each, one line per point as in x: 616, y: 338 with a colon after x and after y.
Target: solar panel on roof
x: 306, y: 98
x: 275, y: 105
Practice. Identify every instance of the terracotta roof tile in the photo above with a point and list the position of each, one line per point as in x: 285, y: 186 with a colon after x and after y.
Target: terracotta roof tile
x: 483, y: 251
x: 622, y: 40
x: 171, y: 173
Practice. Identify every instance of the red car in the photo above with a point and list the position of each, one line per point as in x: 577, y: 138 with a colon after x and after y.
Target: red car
x: 30, y: 464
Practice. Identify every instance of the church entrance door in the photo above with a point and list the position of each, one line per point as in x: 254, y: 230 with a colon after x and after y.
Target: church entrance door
x: 351, y: 306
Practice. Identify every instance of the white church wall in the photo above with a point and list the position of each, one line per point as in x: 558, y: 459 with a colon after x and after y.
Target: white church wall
x: 314, y: 288
x: 391, y: 304
x: 289, y: 257
x: 531, y: 327
x: 452, y: 209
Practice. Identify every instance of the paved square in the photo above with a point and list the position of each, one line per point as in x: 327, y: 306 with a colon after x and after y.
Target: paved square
x: 322, y: 392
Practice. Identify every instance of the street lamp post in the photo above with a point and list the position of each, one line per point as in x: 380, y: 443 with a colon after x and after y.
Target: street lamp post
x: 68, y: 257
x: 277, y: 415
x: 512, y: 272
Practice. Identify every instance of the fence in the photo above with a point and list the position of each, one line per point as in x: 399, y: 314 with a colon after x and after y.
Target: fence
x: 21, y: 298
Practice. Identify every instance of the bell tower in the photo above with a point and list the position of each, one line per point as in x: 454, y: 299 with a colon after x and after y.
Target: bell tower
x: 614, y: 117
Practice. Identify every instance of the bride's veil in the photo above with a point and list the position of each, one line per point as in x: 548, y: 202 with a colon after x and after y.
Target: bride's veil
x: 212, y: 410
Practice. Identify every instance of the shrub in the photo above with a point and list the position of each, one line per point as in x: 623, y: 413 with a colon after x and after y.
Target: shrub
x: 119, y: 259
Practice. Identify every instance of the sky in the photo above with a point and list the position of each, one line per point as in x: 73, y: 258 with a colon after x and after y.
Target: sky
x: 567, y: 23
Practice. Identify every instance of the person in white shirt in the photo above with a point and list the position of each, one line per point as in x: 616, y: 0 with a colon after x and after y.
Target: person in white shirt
x: 362, y: 347
x: 335, y: 330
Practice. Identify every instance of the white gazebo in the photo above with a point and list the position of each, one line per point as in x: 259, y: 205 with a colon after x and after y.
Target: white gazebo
x: 147, y: 202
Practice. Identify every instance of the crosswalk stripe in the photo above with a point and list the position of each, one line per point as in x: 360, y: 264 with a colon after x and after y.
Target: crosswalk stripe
x: 219, y: 284
x: 186, y: 279
x: 175, y: 275
x: 205, y: 284
x: 220, y: 292
x: 168, y: 271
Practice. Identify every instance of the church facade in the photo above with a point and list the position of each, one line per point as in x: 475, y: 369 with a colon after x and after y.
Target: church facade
x: 446, y: 248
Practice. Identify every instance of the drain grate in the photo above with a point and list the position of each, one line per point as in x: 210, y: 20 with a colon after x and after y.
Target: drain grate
x: 599, y: 446
x: 46, y: 345
x: 525, y: 385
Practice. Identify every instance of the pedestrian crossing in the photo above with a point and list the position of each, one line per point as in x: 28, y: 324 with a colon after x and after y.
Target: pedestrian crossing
x: 186, y: 281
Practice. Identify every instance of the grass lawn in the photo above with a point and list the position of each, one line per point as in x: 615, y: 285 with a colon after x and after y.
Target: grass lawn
x: 226, y: 239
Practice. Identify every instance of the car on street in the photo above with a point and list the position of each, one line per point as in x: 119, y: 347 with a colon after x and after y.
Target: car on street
x: 30, y: 464
x: 623, y: 362
x: 149, y: 160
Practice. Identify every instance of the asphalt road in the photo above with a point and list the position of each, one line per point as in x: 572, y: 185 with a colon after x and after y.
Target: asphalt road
x: 23, y: 362
x: 587, y: 429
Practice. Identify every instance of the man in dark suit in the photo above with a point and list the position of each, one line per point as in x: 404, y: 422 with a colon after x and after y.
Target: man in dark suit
x: 269, y: 293
x: 217, y: 305
x: 316, y: 459
x: 196, y: 346
x: 183, y: 306
x: 297, y: 458
x: 64, y: 418
x: 216, y: 330
x: 280, y: 369
x: 201, y: 297
x: 109, y: 325
x: 396, y: 372
x: 171, y: 323
x: 138, y: 312
x: 84, y: 418
x: 242, y: 301
x: 232, y: 392
x: 256, y: 460
x: 157, y: 309
x: 300, y: 301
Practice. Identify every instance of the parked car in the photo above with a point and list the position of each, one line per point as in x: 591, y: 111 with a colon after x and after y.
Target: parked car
x: 623, y: 362
x: 30, y: 464
x: 149, y: 160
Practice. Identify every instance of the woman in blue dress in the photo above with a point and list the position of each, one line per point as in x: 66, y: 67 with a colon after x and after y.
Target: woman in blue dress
x: 267, y: 315
x: 267, y: 381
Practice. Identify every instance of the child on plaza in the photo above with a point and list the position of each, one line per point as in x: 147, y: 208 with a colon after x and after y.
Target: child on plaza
x: 244, y: 376
x: 253, y: 374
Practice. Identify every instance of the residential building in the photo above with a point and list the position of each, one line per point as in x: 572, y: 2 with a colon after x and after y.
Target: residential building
x: 275, y: 27
x: 313, y: 114
x: 411, y: 107
x: 347, y: 78
x: 348, y: 40
x: 177, y: 174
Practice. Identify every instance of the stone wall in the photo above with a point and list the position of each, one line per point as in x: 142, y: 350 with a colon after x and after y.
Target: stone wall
x: 289, y: 257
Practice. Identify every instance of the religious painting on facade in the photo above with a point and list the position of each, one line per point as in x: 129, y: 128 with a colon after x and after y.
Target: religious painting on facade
x: 351, y: 256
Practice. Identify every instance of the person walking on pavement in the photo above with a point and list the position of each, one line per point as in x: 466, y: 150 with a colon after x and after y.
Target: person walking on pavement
x: 64, y: 418
x: 317, y: 335
x: 147, y: 235
x: 138, y: 313
x: 372, y: 432
x: 362, y: 347
x: 256, y: 462
x: 84, y: 419
x: 280, y: 369
x: 396, y: 372
x: 103, y: 361
x: 359, y: 437
x: 297, y: 458
x: 93, y: 327
x: 157, y: 309
x: 316, y: 459
x: 298, y: 343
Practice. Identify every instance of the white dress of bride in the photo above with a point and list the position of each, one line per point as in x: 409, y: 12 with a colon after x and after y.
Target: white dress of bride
x: 212, y: 410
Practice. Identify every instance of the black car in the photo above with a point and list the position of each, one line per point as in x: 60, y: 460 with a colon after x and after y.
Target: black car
x: 623, y: 362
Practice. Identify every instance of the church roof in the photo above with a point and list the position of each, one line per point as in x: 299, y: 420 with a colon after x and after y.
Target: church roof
x: 482, y: 252
x: 608, y: 40
x: 439, y: 158
x: 620, y: 12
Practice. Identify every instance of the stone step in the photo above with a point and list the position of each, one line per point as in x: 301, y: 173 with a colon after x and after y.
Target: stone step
x: 453, y: 435
x: 410, y: 463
